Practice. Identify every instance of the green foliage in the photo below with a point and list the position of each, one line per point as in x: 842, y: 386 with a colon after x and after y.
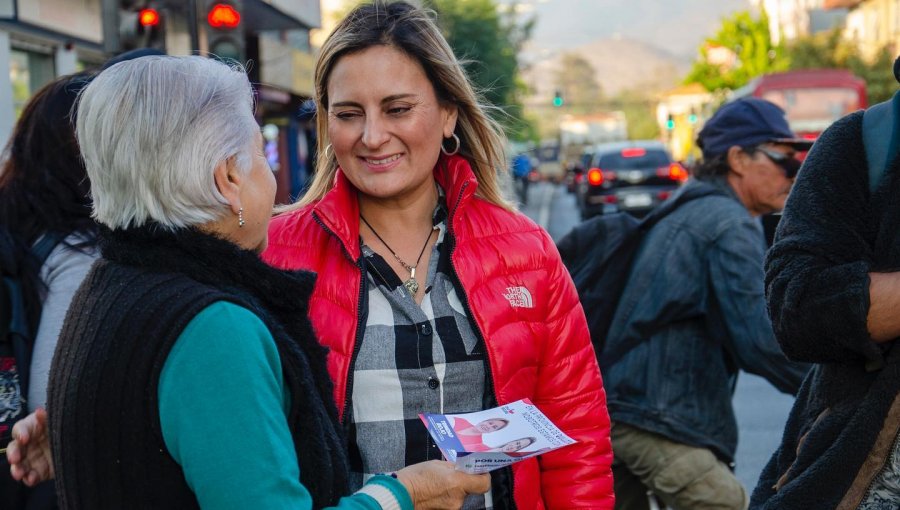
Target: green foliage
x: 640, y: 113
x: 879, y: 75
x: 749, y: 40
x: 487, y: 43
x: 829, y: 51
x: 819, y: 51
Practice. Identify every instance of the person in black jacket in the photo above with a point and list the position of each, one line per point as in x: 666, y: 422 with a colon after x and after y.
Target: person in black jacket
x: 47, y: 246
x: 833, y: 290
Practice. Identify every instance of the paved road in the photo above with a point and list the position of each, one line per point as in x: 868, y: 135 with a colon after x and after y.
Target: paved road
x: 761, y: 410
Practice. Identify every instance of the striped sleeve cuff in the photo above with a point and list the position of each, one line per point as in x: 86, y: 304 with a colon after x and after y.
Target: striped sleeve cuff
x: 388, y: 492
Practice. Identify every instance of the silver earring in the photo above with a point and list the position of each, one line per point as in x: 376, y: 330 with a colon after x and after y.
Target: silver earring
x: 241, y: 217
x: 455, y: 150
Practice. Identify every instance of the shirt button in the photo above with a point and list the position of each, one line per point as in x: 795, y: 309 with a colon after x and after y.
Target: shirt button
x: 433, y: 383
x: 425, y: 329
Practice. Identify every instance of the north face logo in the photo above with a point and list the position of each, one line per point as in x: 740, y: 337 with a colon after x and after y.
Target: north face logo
x: 519, y: 297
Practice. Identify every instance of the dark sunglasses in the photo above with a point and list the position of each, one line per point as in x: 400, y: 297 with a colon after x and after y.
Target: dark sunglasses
x: 790, y: 164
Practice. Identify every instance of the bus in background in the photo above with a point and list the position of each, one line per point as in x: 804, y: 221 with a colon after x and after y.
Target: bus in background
x: 812, y: 99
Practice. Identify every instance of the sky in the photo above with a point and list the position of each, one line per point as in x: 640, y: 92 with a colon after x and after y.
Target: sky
x: 678, y: 26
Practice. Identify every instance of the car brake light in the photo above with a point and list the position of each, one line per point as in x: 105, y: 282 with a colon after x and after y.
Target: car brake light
x: 595, y: 176
x: 635, y: 152
x: 674, y: 171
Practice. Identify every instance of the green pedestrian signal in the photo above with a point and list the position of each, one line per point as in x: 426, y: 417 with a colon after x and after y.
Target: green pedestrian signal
x: 558, y: 99
x: 670, y: 123
x: 692, y: 118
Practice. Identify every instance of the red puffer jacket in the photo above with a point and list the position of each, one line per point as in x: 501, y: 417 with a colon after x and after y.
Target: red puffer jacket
x: 525, y: 308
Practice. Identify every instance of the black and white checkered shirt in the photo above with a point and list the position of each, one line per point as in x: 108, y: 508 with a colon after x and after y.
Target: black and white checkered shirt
x: 412, y: 359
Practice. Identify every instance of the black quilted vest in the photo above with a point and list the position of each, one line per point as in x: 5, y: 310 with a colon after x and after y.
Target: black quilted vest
x: 108, y: 449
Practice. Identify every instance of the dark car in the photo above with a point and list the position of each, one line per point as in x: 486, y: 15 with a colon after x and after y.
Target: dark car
x: 627, y: 176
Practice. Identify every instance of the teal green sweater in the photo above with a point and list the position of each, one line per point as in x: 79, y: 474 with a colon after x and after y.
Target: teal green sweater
x: 223, y: 410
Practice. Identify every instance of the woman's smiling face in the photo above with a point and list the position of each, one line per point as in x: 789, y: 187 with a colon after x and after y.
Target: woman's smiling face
x: 385, y: 122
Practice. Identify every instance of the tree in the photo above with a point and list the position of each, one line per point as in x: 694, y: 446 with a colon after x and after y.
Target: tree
x: 577, y: 81
x: 829, y: 51
x: 640, y: 113
x: 752, y: 48
x: 487, y: 43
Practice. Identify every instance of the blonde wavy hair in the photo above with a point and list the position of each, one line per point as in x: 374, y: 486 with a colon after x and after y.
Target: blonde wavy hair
x: 413, y: 31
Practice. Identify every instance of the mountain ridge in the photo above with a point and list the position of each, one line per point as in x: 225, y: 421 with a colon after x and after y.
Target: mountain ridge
x: 620, y: 64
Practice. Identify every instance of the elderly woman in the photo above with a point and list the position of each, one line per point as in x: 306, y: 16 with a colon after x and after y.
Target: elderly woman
x: 433, y: 294
x: 187, y: 374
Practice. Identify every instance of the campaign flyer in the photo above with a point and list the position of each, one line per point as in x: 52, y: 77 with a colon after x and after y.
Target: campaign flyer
x: 487, y: 440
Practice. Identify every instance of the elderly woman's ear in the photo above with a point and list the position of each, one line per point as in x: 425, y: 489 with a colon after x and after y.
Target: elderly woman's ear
x: 229, y: 180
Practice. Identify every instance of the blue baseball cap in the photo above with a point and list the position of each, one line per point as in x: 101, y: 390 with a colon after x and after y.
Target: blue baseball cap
x: 747, y: 122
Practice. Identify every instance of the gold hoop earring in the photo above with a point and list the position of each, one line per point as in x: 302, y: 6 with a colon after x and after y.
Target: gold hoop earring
x: 455, y: 150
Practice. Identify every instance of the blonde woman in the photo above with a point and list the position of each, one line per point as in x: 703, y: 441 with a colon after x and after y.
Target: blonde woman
x: 432, y: 293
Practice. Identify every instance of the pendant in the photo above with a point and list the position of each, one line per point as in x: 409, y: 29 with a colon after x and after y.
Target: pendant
x: 412, y: 286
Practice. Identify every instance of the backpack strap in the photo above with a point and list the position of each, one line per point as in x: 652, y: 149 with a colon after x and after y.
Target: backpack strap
x: 880, y: 139
x: 44, y: 246
x: 669, y: 206
x: 41, y: 250
x: 19, y: 331
x: 614, y: 354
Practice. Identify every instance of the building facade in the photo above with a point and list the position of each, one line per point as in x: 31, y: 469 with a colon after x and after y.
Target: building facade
x: 871, y: 24
x: 790, y: 19
x: 43, y: 39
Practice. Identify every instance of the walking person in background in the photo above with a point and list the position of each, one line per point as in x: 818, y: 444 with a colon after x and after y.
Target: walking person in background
x: 693, y: 313
x: 432, y: 293
x: 521, y: 167
x: 47, y: 242
x: 834, y: 293
x: 153, y: 390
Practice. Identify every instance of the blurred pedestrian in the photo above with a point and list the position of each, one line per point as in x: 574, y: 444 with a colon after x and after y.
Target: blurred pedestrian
x: 432, y: 293
x: 47, y: 243
x: 693, y: 313
x: 181, y: 340
x: 521, y: 166
x: 834, y: 292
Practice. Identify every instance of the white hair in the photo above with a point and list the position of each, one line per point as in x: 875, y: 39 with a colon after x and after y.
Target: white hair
x: 153, y: 129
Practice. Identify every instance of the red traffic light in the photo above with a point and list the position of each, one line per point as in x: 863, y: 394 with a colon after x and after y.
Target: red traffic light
x: 148, y: 17
x: 224, y: 16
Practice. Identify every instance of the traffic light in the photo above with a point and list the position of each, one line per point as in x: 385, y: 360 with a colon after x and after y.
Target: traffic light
x: 225, y: 31
x: 692, y: 117
x: 558, y: 99
x: 670, y: 123
x: 141, y: 25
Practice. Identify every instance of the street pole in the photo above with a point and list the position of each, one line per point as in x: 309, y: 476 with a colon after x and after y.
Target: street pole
x: 110, y: 16
x: 193, y: 27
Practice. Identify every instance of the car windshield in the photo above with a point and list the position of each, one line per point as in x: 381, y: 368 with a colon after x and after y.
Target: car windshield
x: 548, y: 153
x: 814, y: 109
x: 643, y: 159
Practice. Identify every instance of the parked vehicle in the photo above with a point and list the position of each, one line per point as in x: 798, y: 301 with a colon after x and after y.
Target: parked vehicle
x: 627, y: 176
x: 547, y: 162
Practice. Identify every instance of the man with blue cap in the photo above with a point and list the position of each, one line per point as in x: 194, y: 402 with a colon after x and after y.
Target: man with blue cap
x: 693, y: 314
x: 833, y: 285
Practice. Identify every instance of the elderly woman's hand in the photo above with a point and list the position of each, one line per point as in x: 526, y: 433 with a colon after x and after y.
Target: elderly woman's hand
x: 29, y: 452
x: 437, y: 485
